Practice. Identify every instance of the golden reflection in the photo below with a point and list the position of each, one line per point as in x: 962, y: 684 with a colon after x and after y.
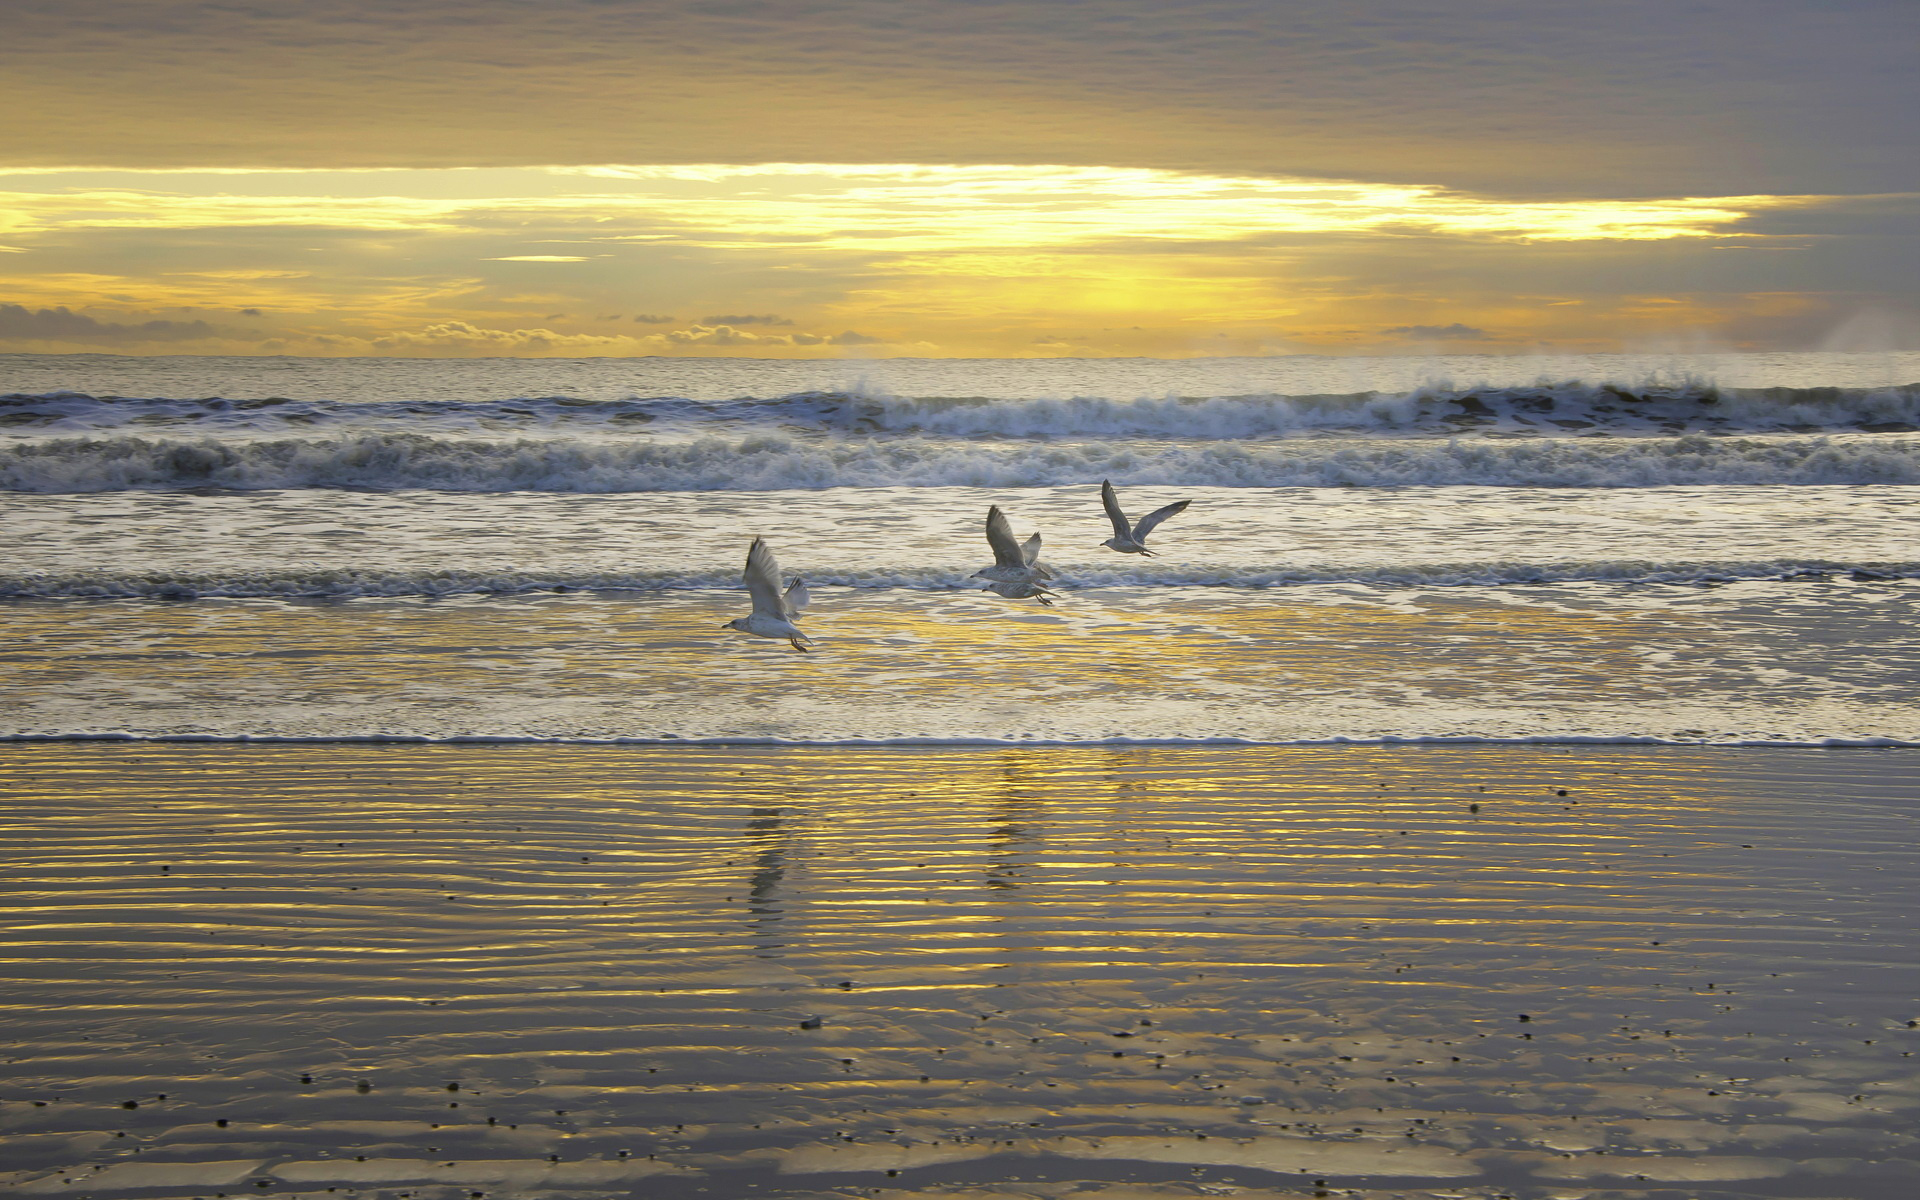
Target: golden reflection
x: 1321, y: 959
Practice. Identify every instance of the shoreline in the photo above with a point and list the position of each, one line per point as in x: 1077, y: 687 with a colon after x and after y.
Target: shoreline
x: 1837, y: 742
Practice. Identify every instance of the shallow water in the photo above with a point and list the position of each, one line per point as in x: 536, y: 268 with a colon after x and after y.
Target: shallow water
x: 1806, y: 662
x: 830, y: 972
x: 1671, y: 548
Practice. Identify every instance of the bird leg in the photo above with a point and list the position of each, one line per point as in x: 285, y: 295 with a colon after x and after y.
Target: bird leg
x: 795, y: 643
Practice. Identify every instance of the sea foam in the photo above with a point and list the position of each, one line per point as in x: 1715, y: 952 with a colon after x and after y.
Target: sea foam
x: 776, y: 461
x: 1545, y: 407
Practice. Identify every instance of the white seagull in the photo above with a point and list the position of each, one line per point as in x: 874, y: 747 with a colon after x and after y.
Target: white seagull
x: 1025, y: 589
x: 1013, y: 561
x: 1132, y: 540
x: 1016, y: 571
x: 773, y: 614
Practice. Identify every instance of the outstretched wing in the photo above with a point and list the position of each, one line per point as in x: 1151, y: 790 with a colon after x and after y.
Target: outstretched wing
x: 1006, y: 551
x: 1111, y: 503
x: 1030, y: 554
x: 797, y: 598
x: 763, y: 581
x: 1158, y: 515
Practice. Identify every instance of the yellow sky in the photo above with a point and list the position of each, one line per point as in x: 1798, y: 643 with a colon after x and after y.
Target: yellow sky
x: 813, y: 260
x: 1105, y: 177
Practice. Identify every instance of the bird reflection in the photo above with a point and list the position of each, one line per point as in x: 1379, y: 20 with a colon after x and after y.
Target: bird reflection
x: 1013, y: 840
x: 771, y: 836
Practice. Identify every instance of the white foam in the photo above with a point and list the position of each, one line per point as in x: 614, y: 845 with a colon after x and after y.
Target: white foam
x: 774, y: 461
x: 1549, y: 407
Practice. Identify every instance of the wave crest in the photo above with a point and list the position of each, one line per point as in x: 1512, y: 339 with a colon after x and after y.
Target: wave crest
x: 771, y: 462
x: 1555, y: 408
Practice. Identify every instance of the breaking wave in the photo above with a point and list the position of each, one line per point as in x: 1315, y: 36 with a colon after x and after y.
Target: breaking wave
x: 1555, y: 409
x: 775, y: 461
x: 344, y: 584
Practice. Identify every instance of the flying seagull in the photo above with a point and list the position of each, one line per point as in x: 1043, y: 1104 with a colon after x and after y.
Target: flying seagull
x: 1022, y: 590
x: 773, y: 614
x: 1013, y: 561
x: 1133, y: 540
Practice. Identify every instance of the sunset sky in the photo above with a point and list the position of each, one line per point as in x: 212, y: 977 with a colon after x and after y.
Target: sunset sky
x: 958, y: 178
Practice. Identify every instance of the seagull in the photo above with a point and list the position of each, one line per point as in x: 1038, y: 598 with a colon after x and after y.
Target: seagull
x: 1022, y: 590
x: 1013, y: 562
x: 773, y: 614
x: 1133, y: 540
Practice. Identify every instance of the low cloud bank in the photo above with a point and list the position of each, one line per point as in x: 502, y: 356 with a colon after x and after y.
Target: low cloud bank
x: 18, y: 323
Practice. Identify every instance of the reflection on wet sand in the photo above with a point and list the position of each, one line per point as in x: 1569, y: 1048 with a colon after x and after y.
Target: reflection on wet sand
x: 771, y: 840
x: 1013, y: 840
x: 578, y: 972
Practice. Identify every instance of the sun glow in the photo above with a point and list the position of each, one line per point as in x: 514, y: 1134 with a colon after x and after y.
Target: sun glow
x: 897, y: 208
x: 916, y: 259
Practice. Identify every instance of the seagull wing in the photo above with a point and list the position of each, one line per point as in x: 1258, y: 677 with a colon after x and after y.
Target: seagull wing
x: 1030, y: 554
x: 763, y: 581
x: 797, y: 598
x: 1111, y: 503
x: 1158, y: 515
x: 1006, y: 551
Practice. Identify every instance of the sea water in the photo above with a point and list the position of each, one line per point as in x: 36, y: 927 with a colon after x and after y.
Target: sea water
x: 1614, y: 548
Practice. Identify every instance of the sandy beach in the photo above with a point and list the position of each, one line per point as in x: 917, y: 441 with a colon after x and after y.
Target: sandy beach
x: 564, y: 971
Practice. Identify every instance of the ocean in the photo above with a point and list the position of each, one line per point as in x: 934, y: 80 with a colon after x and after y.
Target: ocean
x: 1656, y: 548
x: 1437, y: 815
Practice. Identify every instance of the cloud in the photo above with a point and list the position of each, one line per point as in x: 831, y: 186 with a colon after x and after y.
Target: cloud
x: 1475, y: 93
x: 540, y: 258
x: 718, y: 335
x: 849, y: 338
x: 893, y: 209
x: 462, y: 337
x: 975, y: 260
x: 1433, y: 332
x: 18, y: 323
x: 768, y: 319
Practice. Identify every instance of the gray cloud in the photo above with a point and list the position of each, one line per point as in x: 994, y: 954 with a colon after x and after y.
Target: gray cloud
x: 651, y: 319
x: 718, y: 335
x: 1627, y: 97
x: 18, y: 323
x: 1455, y: 330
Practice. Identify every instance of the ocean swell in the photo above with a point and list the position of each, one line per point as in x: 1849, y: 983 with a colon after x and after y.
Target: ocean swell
x: 773, y: 461
x: 1549, y: 408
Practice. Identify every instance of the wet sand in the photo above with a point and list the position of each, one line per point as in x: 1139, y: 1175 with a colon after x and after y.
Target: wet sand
x: 562, y: 971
